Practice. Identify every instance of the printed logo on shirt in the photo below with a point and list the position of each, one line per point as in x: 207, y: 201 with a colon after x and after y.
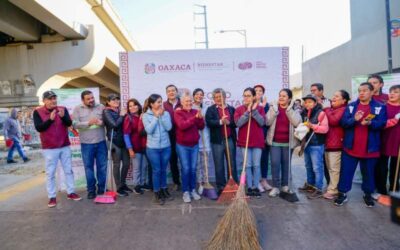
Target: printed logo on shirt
x: 351, y: 108
x: 377, y: 110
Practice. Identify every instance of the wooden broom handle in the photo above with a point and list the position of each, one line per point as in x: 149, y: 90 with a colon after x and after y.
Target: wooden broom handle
x: 226, y: 142
x: 397, y: 171
x: 247, y: 145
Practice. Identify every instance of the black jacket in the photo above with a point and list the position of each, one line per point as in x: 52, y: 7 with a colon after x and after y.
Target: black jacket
x: 112, y: 120
x: 212, y: 121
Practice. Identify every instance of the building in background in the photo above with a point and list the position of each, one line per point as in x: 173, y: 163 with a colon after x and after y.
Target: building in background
x: 365, y: 53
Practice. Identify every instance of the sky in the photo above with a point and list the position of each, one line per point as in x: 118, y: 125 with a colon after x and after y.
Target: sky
x: 316, y: 25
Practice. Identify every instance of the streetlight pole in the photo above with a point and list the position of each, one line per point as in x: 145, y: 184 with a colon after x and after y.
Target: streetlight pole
x: 389, y: 38
x: 241, y: 32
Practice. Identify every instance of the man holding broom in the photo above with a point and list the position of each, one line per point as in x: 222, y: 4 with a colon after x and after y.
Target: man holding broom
x: 218, y: 116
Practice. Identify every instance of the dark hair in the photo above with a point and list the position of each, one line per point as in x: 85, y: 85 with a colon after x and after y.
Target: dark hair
x: 370, y: 87
x: 345, y: 95
x: 376, y: 76
x: 197, y: 90
x: 171, y: 85
x: 137, y: 103
x: 397, y: 86
x: 288, y: 92
x: 319, y: 86
x: 298, y: 100
x: 152, y: 99
x: 84, y: 93
x: 252, y: 91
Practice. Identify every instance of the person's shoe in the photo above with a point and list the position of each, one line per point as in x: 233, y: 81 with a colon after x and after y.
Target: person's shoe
x: 285, y: 189
x: 341, y: 199
x: 375, y: 196
x: 186, y: 197
x: 177, y: 187
x: 74, y: 196
x: 26, y: 160
x: 52, y: 202
x: 138, y: 190
x: 195, y: 195
x: 91, y: 195
x: 100, y: 192
x: 127, y: 189
x: 315, y: 195
x: 306, y: 188
x: 146, y: 187
x: 200, y: 190
x: 256, y: 193
x: 249, y: 192
x: 158, y: 199
x: 122, y: 193
x: 369, y: 202
x: 274, y: 192
x: 219, y: 192
x: 265, y: 185
x: 11, y: 161
x: 329, y: 196
x: 261, y: 188
x: 166, y: 194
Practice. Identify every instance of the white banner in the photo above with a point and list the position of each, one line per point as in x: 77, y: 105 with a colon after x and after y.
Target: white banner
x: 146, y: 72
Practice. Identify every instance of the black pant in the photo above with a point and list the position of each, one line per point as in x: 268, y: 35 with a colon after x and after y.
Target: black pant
x: 120, y: 154
x: 326, y: 172
x: 381, y: 174
x: 173, y: 162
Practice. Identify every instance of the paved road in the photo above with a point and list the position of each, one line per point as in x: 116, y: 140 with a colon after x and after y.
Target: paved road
x: 135, y: 223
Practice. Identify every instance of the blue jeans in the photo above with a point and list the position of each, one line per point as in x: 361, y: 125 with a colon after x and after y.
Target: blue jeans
x: 159, y: 158
x: 265, y: 161
x: 139, y: 169
x: 314, y: 161
x: 188, y: 159
x: 280, y: 166
x: 52, y: 156
x: 253, y: 173
x: 16, y: 145
x: 90, y: 153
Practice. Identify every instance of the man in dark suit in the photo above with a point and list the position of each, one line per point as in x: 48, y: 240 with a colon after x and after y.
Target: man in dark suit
x: 220, y: 120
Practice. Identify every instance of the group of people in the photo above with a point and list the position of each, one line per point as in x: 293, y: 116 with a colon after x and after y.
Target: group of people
x: 339, y: 135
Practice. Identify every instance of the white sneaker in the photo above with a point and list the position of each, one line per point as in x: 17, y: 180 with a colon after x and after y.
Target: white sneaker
x: 201, y: 189
x: 274, y: 192
x: 285, y: 189
x: 195, y: 195
x: 375, y: 196
x: 261, y: 188
x: 186, y: 197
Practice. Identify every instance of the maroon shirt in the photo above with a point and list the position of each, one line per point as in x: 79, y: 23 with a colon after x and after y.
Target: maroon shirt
x: 282, y: 127
x: 228, y: 115
x: 360, y: 146
x: 391, y: 135
x: 131, y: 127
x: 187, y: 127
x: 334, y: 137
x: 256, y: 137
x: 382, y: 98
x: 171, y: 109
x: 56, y: 136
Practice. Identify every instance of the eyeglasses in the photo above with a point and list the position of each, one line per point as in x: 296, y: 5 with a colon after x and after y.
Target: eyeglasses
x: 115, y: 99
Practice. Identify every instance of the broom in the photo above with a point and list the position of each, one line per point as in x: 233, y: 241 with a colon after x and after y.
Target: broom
x: 237, y: 229
x: 109, y: 197
x: 386, y: 199
x: 231, y: 187
x: 209, y: 191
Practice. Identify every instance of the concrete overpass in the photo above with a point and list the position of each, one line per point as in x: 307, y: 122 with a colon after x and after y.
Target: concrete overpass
x: 48, y: 44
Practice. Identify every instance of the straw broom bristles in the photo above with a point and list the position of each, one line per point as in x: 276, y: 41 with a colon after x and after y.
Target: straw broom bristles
x: 237, y: 229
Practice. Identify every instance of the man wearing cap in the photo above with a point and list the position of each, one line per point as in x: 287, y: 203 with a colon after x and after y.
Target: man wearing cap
x: 52, y: 122
x: 87, y: 118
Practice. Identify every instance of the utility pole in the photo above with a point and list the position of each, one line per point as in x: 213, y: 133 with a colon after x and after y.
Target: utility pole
x: 389, y: 38
x: 204, y: 28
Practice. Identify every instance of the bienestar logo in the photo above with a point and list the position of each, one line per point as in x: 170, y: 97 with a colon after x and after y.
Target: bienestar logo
x: 245, y: 65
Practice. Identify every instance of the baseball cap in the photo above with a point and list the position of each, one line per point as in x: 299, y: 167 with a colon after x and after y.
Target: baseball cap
x: 112, y: 96
x: 48, y: 94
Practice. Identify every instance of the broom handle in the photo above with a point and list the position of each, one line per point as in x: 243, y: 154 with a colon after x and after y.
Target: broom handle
x: 205, y: 155
x: 242, y: 179
x: 226, y: 142
x: 108, y: 162
x: 397, y: 171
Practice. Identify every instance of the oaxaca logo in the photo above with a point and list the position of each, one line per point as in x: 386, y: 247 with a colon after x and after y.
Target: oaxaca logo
x: 245, y: 65
x: 166, y: 68
x: 150, y: 68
